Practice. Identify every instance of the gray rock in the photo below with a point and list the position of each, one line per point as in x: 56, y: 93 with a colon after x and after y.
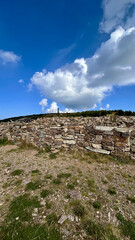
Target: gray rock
x: 62, y: 219
x: 98, y: 150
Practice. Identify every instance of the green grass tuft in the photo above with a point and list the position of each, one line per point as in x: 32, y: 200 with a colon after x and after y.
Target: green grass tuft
x: 112, y: 191
x: 22, y: 207
x: 45, y: 193
x: 18, y: 231
x: 78, y: 209
x: 52, y: 156
x: 35, y: 171
x: 56, y: 181
x: 33, y: 185
x: 64, y: 175
x: 92, y: 185
x: 97, y: 205
x: 131, y: 199
x: 17, y: 172
x: 98, y: 232
x: 52, y: 218
x: 4, y: 141
x: 127, y: 227
x: 48, y: 176
x: 70, y: 186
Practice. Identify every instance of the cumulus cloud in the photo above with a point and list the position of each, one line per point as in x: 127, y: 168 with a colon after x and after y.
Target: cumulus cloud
x: 53, y: 108
x: 43, y: 103
x: 8, y: 57
x: 118, y: 13
x: 84, y: 83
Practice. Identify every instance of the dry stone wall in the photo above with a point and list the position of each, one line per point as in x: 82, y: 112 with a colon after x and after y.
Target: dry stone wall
x: 108, y: 135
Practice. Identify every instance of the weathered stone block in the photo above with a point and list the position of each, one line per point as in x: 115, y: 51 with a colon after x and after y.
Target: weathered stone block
x: 98, y: 150
x: 133, y: 149
x: 69, y: 142
x: 98, y: 146
x: 99, y: 137
x: 58, y: 136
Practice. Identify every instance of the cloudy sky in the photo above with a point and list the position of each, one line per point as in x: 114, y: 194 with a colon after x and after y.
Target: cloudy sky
x: 72, y: 54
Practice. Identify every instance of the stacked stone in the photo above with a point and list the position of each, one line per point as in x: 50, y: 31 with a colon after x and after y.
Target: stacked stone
x: 106, y: 135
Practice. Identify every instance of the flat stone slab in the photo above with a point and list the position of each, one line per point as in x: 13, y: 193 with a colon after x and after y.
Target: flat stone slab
x: 122, y: 130
x: 70, y: 142
x: 104, y: 128
x: 96, y: 150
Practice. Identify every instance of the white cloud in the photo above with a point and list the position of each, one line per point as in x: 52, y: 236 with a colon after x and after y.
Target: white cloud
x: 8, y: 57
x: 107, y: 106
x: 53, y: 108
x: 68, y: 110
x: 118, y: 13
x: 43, y: 104
x: 21, y: 81
x: 86, y: 82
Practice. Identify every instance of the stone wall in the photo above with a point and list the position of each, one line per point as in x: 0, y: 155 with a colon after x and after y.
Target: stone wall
x: 110, y: 135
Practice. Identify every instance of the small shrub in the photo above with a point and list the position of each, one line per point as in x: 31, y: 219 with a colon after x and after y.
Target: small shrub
x: 33, y: 185
x: 97, y: 205
x: 112, y: 190
x: 17, y: 172
x: 45, y: 193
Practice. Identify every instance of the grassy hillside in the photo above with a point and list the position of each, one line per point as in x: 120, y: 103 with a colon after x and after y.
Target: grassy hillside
x: 76, y: 114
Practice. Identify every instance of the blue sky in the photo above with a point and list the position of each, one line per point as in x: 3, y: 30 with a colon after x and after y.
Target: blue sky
x: 71, y: 54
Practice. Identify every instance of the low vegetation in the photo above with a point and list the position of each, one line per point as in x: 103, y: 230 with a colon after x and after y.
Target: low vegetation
x: 75, y: 196
x: 98, y: 113
x: 4, y: 141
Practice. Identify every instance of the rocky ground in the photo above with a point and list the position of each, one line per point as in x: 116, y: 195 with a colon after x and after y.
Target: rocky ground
x: 62, y: 195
